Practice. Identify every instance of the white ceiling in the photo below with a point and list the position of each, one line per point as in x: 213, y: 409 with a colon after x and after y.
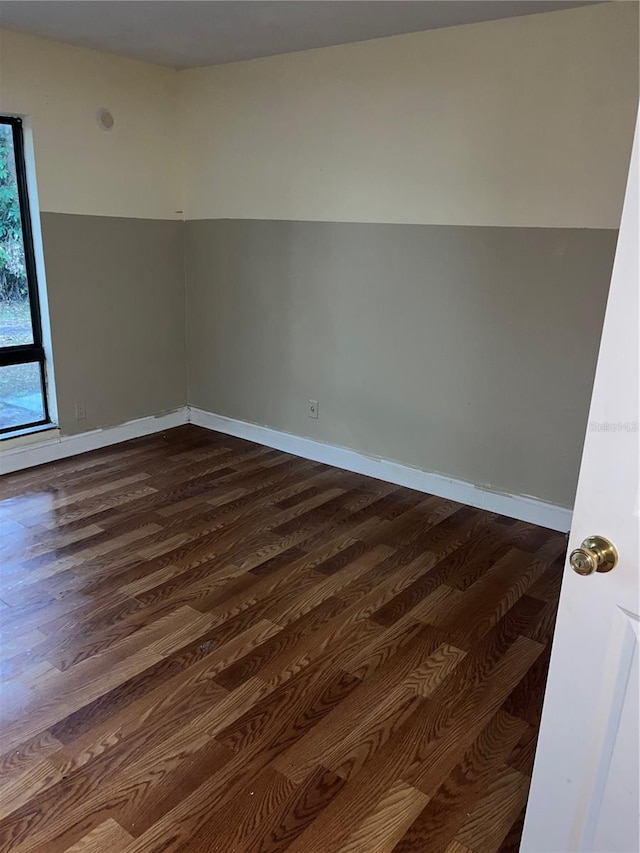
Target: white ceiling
x: 188, y: 33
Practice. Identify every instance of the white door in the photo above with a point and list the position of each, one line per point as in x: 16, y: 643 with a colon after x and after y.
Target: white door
x: 585, y: 791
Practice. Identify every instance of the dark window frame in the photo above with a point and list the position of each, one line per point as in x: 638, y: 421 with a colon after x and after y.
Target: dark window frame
x: 26, y: 353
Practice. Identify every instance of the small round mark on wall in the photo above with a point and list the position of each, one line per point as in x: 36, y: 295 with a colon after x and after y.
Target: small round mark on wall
x: 105, y: 119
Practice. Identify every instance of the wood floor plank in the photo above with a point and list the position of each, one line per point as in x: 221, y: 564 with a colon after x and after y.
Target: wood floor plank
x: 283, y: 640
x: 489, y: 822
x: 232, y: 827
x: 211, y: 645
x: 58, y: 694
x: 436, y: 669
x: 365, y: 700
x: 456, y: 724
x: 186, y: 676
x: 20, y: 788
x: 385, y: 825
x: 106, y: 838
x: 375, y: 729
x: 303, y: 807
x: 447, y: 811
x: 378, y: 775
x: 456, y: 847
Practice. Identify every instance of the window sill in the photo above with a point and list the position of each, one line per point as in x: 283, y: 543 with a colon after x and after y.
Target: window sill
x: 29, y: 435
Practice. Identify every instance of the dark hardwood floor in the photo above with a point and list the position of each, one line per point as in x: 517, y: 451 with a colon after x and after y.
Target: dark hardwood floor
x: 208, y: 645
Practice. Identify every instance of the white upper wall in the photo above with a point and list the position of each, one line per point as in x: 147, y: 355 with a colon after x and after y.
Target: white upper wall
x: 526, y: 121
x: 520, y: 122
x: 130, y: 171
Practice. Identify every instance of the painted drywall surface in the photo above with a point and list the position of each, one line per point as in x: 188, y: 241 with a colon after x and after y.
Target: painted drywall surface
x: 520, y: 122
x: 131, y: 170
x: 112, y: 254
x: 324, y: 134
x: 116, y: 297
x: 468, y: 351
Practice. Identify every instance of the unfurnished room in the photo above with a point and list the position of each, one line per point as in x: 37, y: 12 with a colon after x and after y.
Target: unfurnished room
x: 319, y: 426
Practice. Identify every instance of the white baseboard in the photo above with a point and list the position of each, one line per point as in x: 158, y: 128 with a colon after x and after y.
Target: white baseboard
x: 533, y: 510
x: 514, y: 506
x: 55, y: 446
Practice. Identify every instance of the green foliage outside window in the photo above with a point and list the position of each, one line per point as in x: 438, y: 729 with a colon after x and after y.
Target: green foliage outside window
x: 13, y: 276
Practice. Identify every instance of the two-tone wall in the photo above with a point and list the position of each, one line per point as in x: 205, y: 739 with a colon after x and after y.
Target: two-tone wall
x: 111, y: 226
x: 418, y: 232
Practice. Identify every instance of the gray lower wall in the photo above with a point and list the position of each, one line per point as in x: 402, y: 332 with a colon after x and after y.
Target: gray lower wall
x: 116, y: 299
x: 468, y: 351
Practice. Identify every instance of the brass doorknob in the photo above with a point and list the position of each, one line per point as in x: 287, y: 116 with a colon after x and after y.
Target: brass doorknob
x: 596, y: 554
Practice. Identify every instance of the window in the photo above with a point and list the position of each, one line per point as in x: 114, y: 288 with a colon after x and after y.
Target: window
x: 23, y: 398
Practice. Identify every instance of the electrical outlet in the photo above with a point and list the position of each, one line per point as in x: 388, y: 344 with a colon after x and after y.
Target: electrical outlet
x: 81, y: 410
x: 312, y: 409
